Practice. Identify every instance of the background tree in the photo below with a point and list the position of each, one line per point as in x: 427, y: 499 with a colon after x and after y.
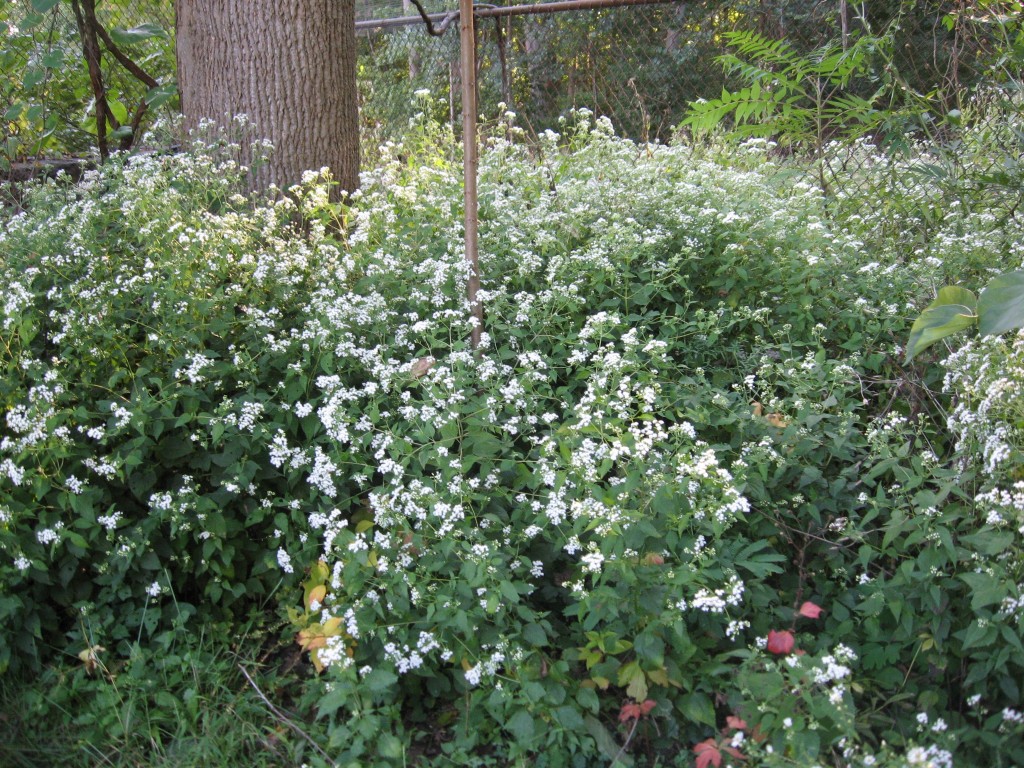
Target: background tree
x: 289, y: 65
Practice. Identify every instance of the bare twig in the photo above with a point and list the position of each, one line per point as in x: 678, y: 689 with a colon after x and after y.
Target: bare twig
x: 625, y: 744
x: 284, y: 719
x: 445, y: 22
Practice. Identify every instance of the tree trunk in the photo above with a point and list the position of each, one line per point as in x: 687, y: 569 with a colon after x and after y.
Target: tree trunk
x: 290, y: 66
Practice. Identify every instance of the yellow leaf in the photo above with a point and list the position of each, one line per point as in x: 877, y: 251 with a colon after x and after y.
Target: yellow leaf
x: 319, y: 572
x: 90, y: 657
x: 312, y: 638
x: 332, y: 627
x: 316, y: 595
x: 658, y: 676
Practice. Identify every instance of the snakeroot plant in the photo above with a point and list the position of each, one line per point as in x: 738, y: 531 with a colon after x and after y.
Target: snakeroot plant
x: 684, y: 504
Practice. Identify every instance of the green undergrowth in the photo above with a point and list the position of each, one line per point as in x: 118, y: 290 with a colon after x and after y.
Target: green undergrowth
x: 181, y: 700
x: 686, y: 504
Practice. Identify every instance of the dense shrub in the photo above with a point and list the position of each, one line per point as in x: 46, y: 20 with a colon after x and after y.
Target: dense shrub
x: 683, y: 500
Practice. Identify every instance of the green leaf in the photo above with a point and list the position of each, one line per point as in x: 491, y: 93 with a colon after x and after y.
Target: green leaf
x: 1001, y: 305
x: 520, y: 725
x: 33, y: 77
x: 697, y: 708
x: 568, y: 718
x: 54, y: 59
x: 119, y: 111
x: 390, y: 746
x: 157, y: 97
x: 508, y: 591
x: 137, y: 34
x: 953, y: 310
x: 173, y: 447
x: 979, y: 634
x: 985, y: 590
x: 605, y: 742
x: 534, y: 634
x: 42, y: 6
x: 380, y: 679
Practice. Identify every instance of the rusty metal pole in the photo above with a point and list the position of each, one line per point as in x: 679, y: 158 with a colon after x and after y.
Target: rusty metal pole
x: 470, y: 162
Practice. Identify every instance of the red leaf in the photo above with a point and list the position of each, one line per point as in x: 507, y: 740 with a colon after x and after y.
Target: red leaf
x: 780, y: 643
x: 707, y: 753
x: 735, y: 753
x: 810, y: 611
x: 647, y: 706
x: 629, y: 711
x: 736, y: 723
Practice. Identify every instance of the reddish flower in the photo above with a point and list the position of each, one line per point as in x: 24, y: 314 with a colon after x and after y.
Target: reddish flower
x: 809, y: 610
x: 780, y: 643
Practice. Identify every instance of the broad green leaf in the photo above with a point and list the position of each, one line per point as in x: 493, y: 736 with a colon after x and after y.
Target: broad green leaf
x: 698, y: 708
x: 534, y: 634
x: 31, y: 20
x: 985, y: 589
x: 521, y: 726
x: 42, y: 6
x: 953, y: 310
x: 54, y: 59
x: 606, y: 743
x: 380, y: 680
x: 137, y: 34
x: 390, y: 746
x: 568, y: 718
x: 1001, y: 305
x: 33, y: 77
x: 156, y: 97
x: 119, y: 111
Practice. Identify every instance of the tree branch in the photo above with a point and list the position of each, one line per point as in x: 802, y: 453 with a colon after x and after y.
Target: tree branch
x: 430, y: 25
x: 125, y: 61
x: 86, y: 21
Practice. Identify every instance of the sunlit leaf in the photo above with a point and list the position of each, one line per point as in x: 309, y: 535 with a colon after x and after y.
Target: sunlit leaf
x: 1001, y: 305
x: 955, y: 309
x: 137, y: 34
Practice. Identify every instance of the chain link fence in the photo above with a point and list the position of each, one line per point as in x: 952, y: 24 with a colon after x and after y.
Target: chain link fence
x: 640, y: 64
x: 46, y: 97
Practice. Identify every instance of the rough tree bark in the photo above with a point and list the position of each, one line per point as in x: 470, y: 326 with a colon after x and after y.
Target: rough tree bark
x: 289, y: 65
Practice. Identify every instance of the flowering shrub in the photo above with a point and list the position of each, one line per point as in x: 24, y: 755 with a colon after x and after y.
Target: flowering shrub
x: 683, y: 494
